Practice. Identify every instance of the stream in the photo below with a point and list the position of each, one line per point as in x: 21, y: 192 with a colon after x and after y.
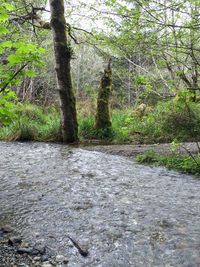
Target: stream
x: 126, y: 214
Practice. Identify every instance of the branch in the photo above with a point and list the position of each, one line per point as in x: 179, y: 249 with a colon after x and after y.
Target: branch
x: 12, y: 78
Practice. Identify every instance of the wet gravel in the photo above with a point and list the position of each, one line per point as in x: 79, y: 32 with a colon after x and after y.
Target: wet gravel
x: 132, y: 150
x: 125, y: 214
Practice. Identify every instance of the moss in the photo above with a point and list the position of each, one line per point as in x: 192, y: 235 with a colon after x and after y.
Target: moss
x: 103, y: 119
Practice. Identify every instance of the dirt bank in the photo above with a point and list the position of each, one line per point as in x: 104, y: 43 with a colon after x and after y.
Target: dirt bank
x: 134, y: 150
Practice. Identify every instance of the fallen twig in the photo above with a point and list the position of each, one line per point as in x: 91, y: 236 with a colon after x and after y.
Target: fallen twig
x: 82, y: 251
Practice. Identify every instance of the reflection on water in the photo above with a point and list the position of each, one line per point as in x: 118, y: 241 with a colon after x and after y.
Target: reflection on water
x: 127, y: 214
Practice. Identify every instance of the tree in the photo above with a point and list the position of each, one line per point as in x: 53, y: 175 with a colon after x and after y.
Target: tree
x: 103, y: 120
x: 27, y: 54
x: 63, y: 54
x: 160, y: 40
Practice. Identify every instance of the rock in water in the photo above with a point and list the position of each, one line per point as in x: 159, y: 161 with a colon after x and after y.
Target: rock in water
x: 7, y: 228
x: 14, y: 240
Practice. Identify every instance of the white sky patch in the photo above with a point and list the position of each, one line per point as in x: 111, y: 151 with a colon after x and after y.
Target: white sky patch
x: 86, y: 14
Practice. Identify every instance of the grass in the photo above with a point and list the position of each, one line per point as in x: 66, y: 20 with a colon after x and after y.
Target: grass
x: 185, y: 164
x: 32, y: 123
x: 163, y: 123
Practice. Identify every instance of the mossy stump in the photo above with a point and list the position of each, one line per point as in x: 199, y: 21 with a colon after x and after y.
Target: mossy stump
x: 103, y: 118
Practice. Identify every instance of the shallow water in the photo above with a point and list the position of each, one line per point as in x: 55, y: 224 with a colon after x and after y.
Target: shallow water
x: 126, y: 214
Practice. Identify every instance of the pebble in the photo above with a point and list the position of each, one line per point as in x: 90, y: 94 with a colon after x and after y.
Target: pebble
x: 7, y: 228
x: 62, y: 259
x: 22, y: 250
x: 40, y: 248
x: 45, y: 257
x: 66, y: 260
x: 36, y: 258
x: 46, y: 264
x: 22, y: 265
x: 14, y: 240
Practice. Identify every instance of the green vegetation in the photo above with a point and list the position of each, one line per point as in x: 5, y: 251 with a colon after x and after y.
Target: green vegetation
x: 185, y: 164
x: 164, y: 122
x: 30, y: 123
x: 167, y: 121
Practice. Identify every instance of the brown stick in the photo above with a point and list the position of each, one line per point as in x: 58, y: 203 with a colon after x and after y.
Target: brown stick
x: 82, y: 251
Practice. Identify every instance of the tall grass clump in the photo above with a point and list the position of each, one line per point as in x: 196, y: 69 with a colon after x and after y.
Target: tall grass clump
x: 32, y: 123
x: 86, y: 127
x: 121, y: 121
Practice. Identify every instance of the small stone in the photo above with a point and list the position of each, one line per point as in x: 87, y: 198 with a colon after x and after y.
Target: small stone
x: 22, y: 250
x: 47, y: 264
x: 59, y: 258
x: 7, y: 228
x: 36, y: 258
x: 65, y: 260
x: 22, y: 265
x: 25, y: 244
x: 40, y: 248
x: 181, y: 245
x: 14, y: 240
x: 165, y: 224
x: 45, y: 257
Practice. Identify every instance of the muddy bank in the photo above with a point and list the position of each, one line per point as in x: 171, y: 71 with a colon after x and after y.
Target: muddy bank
x: 134, y: 150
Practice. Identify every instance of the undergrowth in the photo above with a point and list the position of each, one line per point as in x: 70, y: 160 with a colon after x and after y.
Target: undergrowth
x: 163, y: 123
x: 32, y: 123
x: 184, y: 163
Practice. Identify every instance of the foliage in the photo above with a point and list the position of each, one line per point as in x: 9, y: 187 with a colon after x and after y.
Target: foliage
x: 19, y: 58
x: 158, y: 46
x: 185, y: 164
x: 88, y: 131
x: 32, y: 123
x: 7, y: 106
x: 164, y: 123
x: 168, y: 120
x: 86, y: 127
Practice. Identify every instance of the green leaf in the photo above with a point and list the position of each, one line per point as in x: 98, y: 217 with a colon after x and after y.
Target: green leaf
x: 9, y: 7
x: 14, y: 59
x: 6, y: 44
x: 30, y: 73
x: 3, y: 16
x: 3, y: 30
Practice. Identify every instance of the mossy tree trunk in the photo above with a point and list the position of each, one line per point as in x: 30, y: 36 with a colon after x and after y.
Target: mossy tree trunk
x: 103, y: 119
x: 62, y: 50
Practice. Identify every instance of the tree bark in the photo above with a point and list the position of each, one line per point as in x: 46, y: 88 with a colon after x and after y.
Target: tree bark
x: 63, y: 53
x: 103, y: 120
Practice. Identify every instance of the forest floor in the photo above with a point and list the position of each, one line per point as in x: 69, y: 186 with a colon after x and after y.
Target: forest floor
x: 131, y: 150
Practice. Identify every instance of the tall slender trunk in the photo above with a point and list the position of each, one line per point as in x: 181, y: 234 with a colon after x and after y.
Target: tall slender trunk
x: 62, y: 50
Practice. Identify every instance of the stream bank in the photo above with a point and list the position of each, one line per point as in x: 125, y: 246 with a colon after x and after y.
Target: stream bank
x: 133, y: 150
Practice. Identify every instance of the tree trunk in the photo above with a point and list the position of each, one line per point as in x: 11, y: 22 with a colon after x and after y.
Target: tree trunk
x: 103, y: 120
x: 62, y: 50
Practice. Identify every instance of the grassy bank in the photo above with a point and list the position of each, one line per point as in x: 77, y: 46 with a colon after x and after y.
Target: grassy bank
x: 187, y: 164
x: 32, y: 123
x: 168, y: 121
x: 165, y: 122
